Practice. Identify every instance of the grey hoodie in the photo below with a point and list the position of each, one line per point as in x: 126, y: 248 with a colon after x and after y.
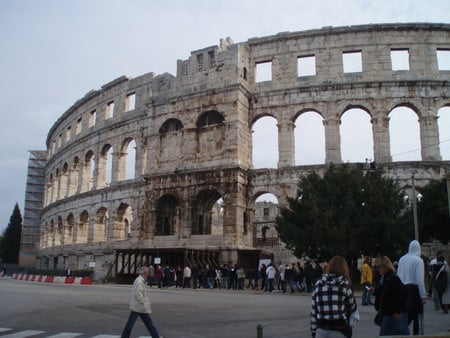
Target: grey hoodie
x: 411, y: 269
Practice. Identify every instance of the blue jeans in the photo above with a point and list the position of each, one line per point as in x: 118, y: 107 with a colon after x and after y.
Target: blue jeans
x: 147, y: 321
x: 366, y: 295
x: 391, y: 326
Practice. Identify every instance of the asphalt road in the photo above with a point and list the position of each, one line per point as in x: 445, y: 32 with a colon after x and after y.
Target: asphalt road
x: 101, y: 311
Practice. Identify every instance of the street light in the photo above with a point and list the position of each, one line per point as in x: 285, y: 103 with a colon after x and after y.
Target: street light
x: 414, y: 204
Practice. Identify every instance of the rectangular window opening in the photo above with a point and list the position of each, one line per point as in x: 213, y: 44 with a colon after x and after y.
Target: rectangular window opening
x: 78, y: 129
x: 110, y: 110
x: 92, y: 118
x: 212, y: 59
x: 200, y: 62
x: 68, y: 133
x: 130, y: 102
x: 400, y: 59
x: 186, y: 67
x: 264, y: 71
x: 352, y: 62
x: 443, y: 59
x: 306, y: 65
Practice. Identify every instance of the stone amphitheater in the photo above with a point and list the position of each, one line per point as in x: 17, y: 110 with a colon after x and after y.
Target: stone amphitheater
x: 159, y: 168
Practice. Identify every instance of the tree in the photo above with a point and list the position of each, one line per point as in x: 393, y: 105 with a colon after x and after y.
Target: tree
x: 10, y: 243
x: 432, y: 212
x: 348, y: 212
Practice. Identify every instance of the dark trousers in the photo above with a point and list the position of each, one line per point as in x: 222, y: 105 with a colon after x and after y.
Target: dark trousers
x: 147, y: 321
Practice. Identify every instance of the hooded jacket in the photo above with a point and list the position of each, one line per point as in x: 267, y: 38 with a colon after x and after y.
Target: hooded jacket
x: 411, y: 269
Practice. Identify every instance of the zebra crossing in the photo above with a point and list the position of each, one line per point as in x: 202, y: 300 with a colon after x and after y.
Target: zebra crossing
x: 6, y: 332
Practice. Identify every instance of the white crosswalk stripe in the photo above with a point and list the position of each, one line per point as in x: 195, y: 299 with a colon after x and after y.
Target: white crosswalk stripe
x: 31, y: 333
x: 65, y: 335
x: 23, y: 334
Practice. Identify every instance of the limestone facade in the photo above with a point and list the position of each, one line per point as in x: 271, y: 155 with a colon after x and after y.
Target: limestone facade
x: 163, y: 162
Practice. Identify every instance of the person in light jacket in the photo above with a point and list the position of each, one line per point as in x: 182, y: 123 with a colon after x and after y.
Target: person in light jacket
x: 411, y: 271
x: 140, y: 306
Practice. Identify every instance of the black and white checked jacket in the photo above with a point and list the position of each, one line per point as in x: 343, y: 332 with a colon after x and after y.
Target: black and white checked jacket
x: 332, y: 300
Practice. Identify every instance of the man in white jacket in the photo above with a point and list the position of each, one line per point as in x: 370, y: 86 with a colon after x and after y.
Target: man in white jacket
x: 140, y: 306
x: 411, y: 271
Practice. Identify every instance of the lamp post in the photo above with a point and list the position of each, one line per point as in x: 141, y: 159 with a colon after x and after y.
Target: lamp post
x: 414, y: 203
x: 448, y: 193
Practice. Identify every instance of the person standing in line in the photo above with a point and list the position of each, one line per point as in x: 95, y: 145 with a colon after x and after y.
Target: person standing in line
x: 390, y: 300
x: 366, y: 281
x: 270, y: 272
x: 187, y: 273
x: 195, y: 271
x: 280, y: 286
x: 411, y: 271
x: 240, y: 275
x: 333, y: 302
x: 140, y: 306
x: 151, y: 275
x: 263, y: 276
x: 224, y: 276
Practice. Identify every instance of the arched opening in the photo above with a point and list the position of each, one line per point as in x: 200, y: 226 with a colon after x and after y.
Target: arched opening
x: 51, y: 235
x: 128, y: 159
x: 444, y: 132
x: 122, y: 226
x: 266, y: 209
x: 171, y: 125
x: 171, y: 140
x: 101, y: 225
x: 404, y: 133
x: 217, y: 217
x: 167, y: 218
x: 211, y: 134
x: 73, y: 176
x: 82, y: 229
x: 309, y: 139
x: 265, y: 143
x: 105, y: 166
x: 210, y: 118
x: 356, y: 136
x: 88, y: 172
x: 59, y: 232
x: 63, y: 180
x: 202, y: 212
x: 68, y: 229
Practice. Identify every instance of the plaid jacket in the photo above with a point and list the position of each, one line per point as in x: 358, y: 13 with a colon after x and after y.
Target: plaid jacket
x: 332, y: 301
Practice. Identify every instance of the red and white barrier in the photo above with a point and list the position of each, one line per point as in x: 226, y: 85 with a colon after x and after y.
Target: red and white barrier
x: 53, y: 279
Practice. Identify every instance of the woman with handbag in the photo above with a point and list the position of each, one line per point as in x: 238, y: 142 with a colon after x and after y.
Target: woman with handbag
x: 390, y: 301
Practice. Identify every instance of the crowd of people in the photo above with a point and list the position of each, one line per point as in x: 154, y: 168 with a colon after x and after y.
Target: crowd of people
x: 398, y: 289
x: 295, y: 277
x: 399, y: 294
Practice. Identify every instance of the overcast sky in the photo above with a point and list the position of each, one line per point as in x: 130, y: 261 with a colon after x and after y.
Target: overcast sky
x: 53, y: 52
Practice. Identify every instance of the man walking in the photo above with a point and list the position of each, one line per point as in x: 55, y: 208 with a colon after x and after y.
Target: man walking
x: 140, y: 306
x: 411, y: 271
